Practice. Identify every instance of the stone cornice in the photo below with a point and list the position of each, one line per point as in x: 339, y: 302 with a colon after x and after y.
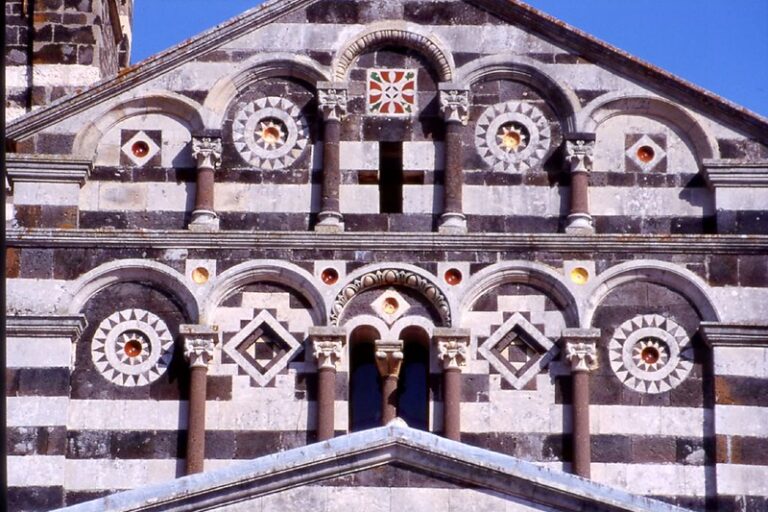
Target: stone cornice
x: 471, y: 242
x: 47, y: 326
x: 734, y: 335
x: 47, y: 169
x: 735, y: 173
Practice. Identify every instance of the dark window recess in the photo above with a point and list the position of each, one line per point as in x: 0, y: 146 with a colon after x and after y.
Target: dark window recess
x: 391, y: 177
x: 364, y: 388
x: 412, y: 386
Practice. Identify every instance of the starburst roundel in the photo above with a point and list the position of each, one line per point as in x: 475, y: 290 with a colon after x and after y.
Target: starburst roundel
x: 513, y: 136
x: 132, y: 347
x: 270, y: 133
x: 651, y: 354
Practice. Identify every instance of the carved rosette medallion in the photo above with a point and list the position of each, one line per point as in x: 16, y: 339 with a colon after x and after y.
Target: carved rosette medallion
x: 132, y: 348
x: 513, y: 136
x: 270, y: 133
x: 651, y: 354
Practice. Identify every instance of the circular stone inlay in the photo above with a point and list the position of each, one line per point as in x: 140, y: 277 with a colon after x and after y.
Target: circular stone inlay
x: 579, y: 275
x: 140, y: 149
x: 650, y: 354
x: 646, y: 154
x: 270, y: 133
x: 390, y: 305
x: 513, y: 136
x: 453, y: 276
x: 329, y: 276
x: 132, y: 347
x: 200, y: 275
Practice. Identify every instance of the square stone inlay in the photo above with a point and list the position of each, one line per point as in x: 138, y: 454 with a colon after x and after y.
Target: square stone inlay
x: 646, y: 153
x: 140, y: 149
x: 391, y: 92
x: 262, y: 348
x: 518, y: 351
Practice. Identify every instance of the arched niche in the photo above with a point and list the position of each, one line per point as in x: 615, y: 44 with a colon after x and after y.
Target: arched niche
x: 395, y: 33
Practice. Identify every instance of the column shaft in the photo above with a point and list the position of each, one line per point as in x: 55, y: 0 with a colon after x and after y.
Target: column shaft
x: 326, y: 391
x: 451, y: 403
x: 580, y: 193
x: 196, y: 425
x: 454, y: 176
x: 582, y: 450
x: 389, y: 399
x: 204, y: 194
x: 331, y: 170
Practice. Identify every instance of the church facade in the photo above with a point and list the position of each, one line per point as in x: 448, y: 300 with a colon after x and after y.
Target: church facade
x: 504, y: 239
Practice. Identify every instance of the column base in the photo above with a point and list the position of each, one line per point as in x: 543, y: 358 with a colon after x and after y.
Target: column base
x: 204, y: 220
x: 452, y: 224
x: 330, y: 222
x: 580, y: 224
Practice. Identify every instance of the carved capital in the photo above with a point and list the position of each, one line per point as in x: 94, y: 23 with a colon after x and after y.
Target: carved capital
x: 582, y: 356
x: 327, y: 353
x: 207, y: 152
x: 454, y: 105
x: 332, y: 102
x: 453, y: 354
x: 199, y: 343
x: 579, y: 153
x: 389, y: 357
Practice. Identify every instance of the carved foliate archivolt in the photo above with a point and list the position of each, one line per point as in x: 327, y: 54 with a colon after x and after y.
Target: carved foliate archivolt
x: 333, y: 103
x: 327, y: 352
x: 582, y: 356
x: 207, y: 152
x: 454, y: 105
x: 580, y: 154
x: 389, y: 357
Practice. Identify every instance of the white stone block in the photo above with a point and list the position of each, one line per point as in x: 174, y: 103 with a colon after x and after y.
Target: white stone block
x: 93, y: 474
x: 242, y: 197
x: 36, y: 471
x: 171, y: 197
x: 654, y: 479
x: 637, y: 420
x: 741, y: 420
x: 423, y: 156
x: 520, y: 200
x: 423, y: 199
x: 741, y: 361
x: 41, y: 296
x: 123, y: 196
x: 359, y: 198
x: 650, y: 202
x: 359, y: 156
x: 50, y: 194
x: 71, y: 75
x: 36, y: 411
x: 38, y: 352
x: 740, y: 199
x: 741, y: 305
x: 126, y: 415
x: 738, y: 479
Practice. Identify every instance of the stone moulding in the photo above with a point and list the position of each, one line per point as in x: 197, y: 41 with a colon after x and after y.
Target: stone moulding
x: 735, y: 173
x: 471, y: 242
x: 45, y: 326
x: 391, y: 277
x: 717, y: 334
x: 47, y: 169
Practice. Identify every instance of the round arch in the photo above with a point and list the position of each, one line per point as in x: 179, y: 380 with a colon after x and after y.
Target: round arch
x: 176, y: 106
x: 285, y: 65
x: 400, y: 34
x: 541, y: 277
x: 676, y: 278
x: 615, y: 104
x: 409, y: 276
x: 523, y: 69
x: 136, y: 271
x: 292, y: 276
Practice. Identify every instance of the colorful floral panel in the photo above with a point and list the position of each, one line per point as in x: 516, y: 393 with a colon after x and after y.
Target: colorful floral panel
x: 391, y: 92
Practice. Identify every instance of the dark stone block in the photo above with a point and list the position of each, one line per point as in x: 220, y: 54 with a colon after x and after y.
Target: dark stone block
x: 611, y: 448
x: 35, y: 498
x: 621, y: 179
x: 55, y: 54
x: 654, y: 450
x: 103, y: 220
x: 148, y: 445
x: 443, y: 13
x: 89, y: 444
x: 336, y: 12
x: 474, y: 388
x: 37, y: 263
x: 79, y: 35
x: 733, y: 390
x: 75, y: 497
x: 752, y: 223
x: 219, y: 387
x: 220, y: 444
x: 40, y: 381
x: 753, y: 271
x: 723, y: 270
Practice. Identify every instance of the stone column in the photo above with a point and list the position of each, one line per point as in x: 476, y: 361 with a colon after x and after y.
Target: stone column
x: 389, y: 359
x: 207, y: 154
x: 581, y: 353
x: 452, y: 350
x: 199, y: 342
x: 579, y: 148
x: 332, y: 100
x: 454, y: 106
x: 327, y: 344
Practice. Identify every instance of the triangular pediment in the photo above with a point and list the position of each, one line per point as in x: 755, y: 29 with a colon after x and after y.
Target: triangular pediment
x: 376, y: 465
x: 145, y: 76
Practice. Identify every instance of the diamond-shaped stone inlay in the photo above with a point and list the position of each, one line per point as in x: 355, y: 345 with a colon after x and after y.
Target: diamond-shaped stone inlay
x: 140, y: 149
x: 650, y: 354
x: 132, y: 347
x: 518, y: 351
x: 263, y: 348
x: 646, y: 153
x: 390, y: 306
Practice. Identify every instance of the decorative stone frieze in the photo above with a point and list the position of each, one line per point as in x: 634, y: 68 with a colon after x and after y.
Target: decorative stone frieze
x: 207, y: 152
x: 513, y: 136
x: 389, y: 357
x: 332, y: 100
x: 651, y: 354
x: 199, y: 343
x: 392, y: 277
x: 454, y: 105
x: 132, y: 347
x: 270, y: 133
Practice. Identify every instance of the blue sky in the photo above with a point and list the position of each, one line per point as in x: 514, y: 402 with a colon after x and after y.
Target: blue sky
x: 721, y: 46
